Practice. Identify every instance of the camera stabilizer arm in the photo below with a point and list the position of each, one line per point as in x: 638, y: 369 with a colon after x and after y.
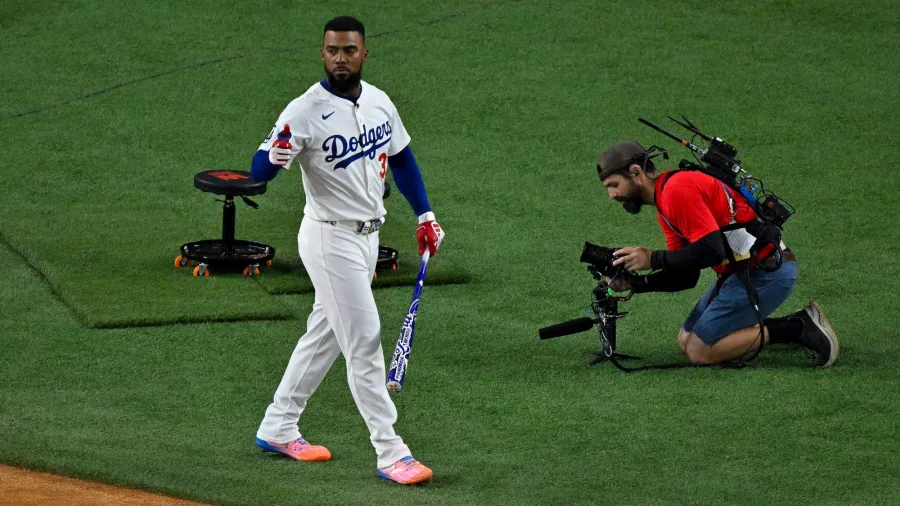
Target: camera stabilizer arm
x: 605, y: 306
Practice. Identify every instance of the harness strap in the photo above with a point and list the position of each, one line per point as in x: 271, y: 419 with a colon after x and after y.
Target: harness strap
x: 741, y: 268
x: 732, y: 207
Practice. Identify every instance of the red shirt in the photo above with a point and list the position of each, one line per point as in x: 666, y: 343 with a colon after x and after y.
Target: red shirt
x: 696, y: 204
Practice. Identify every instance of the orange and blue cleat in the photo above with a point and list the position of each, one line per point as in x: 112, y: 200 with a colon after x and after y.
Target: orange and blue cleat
x: 406, y: 471
x: 298, y: 449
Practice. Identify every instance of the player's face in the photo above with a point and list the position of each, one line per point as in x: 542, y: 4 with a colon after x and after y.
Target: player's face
x: 624, y: 189
x: 343, y: 54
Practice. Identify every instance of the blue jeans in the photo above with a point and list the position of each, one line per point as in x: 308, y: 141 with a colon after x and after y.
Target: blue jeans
x: 730, y: 310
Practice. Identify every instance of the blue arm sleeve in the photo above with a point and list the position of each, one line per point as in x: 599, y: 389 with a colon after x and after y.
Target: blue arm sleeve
x: 261, y: 169
x: 408, y: 179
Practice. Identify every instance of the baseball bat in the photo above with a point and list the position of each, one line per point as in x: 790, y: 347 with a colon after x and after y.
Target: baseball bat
x: 400, y: 362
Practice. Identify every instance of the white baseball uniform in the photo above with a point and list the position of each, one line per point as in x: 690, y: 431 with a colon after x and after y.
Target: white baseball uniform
x: 342, y: 149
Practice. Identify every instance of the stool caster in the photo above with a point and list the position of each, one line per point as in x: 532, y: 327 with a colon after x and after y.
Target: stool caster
x: 201, y: 270
x: 180, y: 261
x: 251, y: 270
x: 388, y: 259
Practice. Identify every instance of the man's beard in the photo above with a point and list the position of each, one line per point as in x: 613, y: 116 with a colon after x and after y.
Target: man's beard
x: 634, y: 202
x: 344, y: 83
x: 633, y: 205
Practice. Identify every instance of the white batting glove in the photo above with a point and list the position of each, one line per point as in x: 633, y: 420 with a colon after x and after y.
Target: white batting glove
x: 280, y: 156
x: 280, y: 152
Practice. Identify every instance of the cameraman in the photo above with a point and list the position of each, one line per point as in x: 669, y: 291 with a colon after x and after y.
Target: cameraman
x: 692, y: 207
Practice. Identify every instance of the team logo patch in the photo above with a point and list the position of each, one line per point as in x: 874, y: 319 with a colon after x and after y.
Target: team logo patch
x: 227, y: 175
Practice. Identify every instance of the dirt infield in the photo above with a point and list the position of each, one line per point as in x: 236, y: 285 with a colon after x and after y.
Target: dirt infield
x: 28, y: 488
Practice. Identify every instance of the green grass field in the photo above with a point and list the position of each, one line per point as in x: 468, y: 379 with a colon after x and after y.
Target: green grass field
x: 116, y: 367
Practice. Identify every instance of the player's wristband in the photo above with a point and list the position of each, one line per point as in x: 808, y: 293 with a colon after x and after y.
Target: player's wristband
x: 429, y: 216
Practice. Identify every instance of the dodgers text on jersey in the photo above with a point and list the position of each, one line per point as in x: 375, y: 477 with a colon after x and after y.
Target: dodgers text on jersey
x: 345, y: 151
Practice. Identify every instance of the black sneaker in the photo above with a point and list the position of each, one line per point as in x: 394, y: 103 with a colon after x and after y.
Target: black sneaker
x: 818, y: 336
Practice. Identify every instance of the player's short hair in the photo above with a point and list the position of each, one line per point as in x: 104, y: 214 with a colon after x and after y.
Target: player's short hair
x: 345, y: 24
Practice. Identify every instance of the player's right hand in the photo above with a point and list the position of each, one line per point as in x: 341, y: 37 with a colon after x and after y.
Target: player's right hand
x: 280, y: 152
x: 429, y: 234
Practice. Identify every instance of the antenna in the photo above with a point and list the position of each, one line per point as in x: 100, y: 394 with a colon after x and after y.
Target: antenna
x: 695, y: 149
x: 691, y: 127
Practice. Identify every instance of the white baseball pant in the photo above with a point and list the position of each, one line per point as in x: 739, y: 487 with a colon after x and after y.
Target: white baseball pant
x: 344, y: 319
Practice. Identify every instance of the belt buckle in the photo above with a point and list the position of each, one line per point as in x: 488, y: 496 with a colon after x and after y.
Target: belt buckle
x: 367, y: 227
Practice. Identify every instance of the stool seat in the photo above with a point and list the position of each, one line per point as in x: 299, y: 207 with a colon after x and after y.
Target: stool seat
x: 229, y: 182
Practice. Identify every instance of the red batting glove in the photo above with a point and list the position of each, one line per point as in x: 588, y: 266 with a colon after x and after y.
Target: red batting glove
x: 429, y: 234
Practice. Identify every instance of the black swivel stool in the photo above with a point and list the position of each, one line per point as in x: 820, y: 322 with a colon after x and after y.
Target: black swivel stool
x: 227, y: 253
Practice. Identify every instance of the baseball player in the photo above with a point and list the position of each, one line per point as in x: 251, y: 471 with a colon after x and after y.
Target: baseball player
x: 344, y: 133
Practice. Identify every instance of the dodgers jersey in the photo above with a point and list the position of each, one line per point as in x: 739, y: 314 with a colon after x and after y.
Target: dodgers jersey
x: 342, y: 149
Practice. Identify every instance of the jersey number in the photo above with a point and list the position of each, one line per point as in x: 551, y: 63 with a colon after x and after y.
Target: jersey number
x: 383, y: 159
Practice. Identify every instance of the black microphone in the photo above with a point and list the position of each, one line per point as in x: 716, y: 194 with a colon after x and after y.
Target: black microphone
x: 566, y: 328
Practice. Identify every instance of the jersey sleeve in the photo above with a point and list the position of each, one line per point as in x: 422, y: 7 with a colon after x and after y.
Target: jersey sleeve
x: 293, y: 115
x: 399, y: 136
x: 686, y: 209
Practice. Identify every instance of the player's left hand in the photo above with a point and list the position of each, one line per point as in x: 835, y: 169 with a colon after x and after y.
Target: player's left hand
x: 633, y: 258
x: 429, y: 234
